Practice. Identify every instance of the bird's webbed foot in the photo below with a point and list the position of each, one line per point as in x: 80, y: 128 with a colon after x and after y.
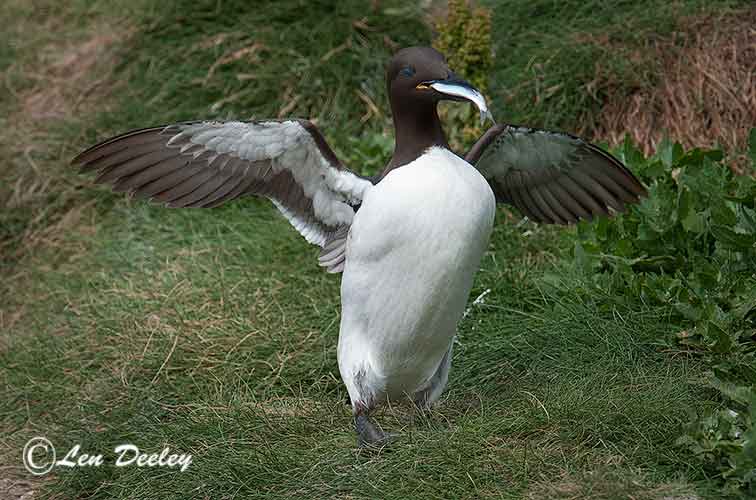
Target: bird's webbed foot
x: 369, y: 435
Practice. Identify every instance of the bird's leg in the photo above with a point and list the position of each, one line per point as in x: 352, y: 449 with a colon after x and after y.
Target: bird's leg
x: 422, y: 400
x: 425, y: 398
x: 369, y: 435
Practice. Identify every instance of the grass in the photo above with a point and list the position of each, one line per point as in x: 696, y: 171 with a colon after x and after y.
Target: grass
x: 556, y: 62
x: 234, y: 362
x: 214, y: 332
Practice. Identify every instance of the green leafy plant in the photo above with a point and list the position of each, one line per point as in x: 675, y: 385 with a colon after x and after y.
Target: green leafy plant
x: 464, y: 36
x: 367, y: 153
x: 692, y: 246
x: 726, y: 439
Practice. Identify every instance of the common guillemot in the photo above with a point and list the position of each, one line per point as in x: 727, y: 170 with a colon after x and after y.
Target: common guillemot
x: 407, y: 241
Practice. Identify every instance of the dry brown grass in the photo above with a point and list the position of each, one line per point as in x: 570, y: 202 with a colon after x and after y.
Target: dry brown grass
x: 704, y: 92
x: 605, y: 483
x: 54, y: 80
x: 64, y: 76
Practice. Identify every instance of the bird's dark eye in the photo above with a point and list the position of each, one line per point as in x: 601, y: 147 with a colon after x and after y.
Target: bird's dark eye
x: 407, y: 71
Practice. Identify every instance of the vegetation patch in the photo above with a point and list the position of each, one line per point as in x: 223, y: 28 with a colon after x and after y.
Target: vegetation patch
x: 59, y: 78
x: 691, y: 247
x: 703, y: 92
x: 586, y: 67
x: 463, y: 34
x: 603, y: 484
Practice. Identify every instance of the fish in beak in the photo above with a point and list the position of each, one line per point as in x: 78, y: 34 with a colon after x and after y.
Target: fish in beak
x: 456, y: 89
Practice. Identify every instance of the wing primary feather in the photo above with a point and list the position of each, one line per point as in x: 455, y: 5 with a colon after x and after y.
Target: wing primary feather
x: 88, y: 159
x: 123, y: 156
x: 600, y: 192
x: 204, y: 189
x: 228, y: 185
x: 620, y: 173
x: 166, y: 182
x: 532, y: 206
x: 556, y: 203
x: 134, y: 165
x: 551, y: 216
x: 568, y: 201
x: 190, y: 184
x: 149, y: 174
x: 234, y: 193
x: 520, y: 204
x: 582, y: 196
x: 536, y: 204
x: 617, y: 190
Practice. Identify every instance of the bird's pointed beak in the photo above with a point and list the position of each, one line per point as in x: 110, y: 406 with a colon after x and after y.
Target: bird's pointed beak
x: 457, y: 89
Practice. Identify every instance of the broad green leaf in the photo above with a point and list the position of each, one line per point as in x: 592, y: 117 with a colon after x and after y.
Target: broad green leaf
x: 745, y: 305
x: 688, y: 311
x: 624, y: 248
x: 722, y: 342
x: 665, y: 152
x: 601, y: 227
x: 655, y: 170
x: 723, y: 215
x: 646, y: 232
x: 743, y: 395
x: 677, y: 153
x: 694, y: 222
x: 731, y: 239
x: 684, y: 204
x: 707, y: 274
x: 747, y: 220
x: 630, y: 153
x: 696, y: 156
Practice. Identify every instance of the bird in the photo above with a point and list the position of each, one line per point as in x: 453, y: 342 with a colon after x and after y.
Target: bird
x: 407, y: 241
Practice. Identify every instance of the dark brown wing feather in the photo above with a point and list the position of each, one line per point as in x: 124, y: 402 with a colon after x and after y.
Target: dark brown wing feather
x: 206, y: 164
x: 553, y: 177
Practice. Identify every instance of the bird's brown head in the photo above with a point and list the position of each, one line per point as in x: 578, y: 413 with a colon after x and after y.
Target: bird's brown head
x: 417, y: 77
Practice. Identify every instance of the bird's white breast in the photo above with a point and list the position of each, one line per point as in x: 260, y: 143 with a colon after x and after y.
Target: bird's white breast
x: 413, y: 249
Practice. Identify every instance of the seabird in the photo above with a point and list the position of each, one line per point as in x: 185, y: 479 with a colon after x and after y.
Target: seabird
x: 407, y: 242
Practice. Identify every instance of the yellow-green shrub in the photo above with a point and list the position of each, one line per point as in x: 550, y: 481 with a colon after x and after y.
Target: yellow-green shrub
x: 464, y: 36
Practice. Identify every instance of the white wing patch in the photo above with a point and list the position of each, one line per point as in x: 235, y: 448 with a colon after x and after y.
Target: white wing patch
x: 309, y: 231
x: 288, y: 146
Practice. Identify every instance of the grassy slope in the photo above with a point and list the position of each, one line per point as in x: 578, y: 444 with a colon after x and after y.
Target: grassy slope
x: 554, y: 59
x: 213, y: 332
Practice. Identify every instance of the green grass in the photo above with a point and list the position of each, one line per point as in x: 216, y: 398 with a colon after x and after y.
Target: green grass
x: 214, y: 332
x: 542, y: 388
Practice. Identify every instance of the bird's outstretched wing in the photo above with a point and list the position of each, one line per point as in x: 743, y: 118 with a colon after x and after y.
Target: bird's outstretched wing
x: 552, y: 177
x: 207, y: 163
